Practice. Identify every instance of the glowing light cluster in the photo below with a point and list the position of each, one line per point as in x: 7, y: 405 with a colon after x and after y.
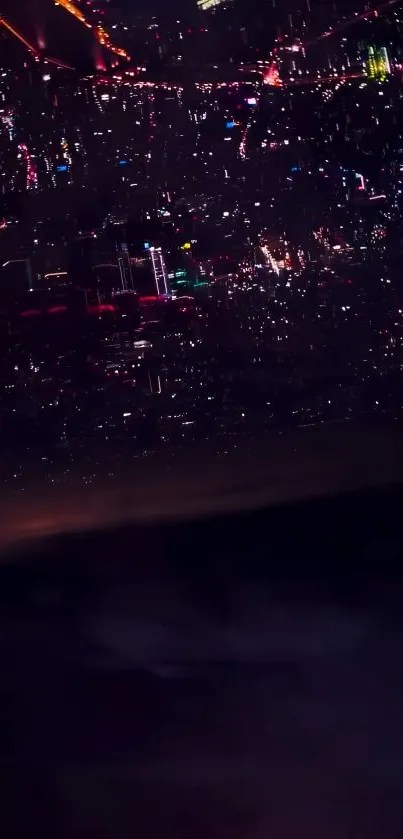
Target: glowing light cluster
x: 208, y: 4
x: 32, y: 177
x: 8, y: 121
x: 378, y: 65
x: 243, y: 143
x: 272, y: 76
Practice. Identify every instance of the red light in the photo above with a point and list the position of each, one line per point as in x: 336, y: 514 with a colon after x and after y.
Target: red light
x: 151, y: 298
x: 27, y: 313
x: 103, y: 307
x: 55, y: 310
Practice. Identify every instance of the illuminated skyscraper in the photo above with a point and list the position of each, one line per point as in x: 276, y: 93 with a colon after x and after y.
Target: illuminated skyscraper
x: 159, y: 270
x: 378, y: 64
x: 209, y: 4
x: 125, y: 267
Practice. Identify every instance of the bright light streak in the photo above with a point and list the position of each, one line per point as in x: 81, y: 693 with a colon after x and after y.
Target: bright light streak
x: 30, y: 47
x: 101, y: 35
x: 367, y: 15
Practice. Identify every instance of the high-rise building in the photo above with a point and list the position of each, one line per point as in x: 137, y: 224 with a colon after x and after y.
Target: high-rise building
x: 209, y: 4
x: 125, y: 267
x: 159, y: 271
x: 378, y: 64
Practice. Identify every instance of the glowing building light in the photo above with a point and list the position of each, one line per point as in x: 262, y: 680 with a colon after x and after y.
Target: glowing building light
x: 272, y: 76
x: 208, y: 4
x: 360, y: 178
x: 159, y: 271
x: 32, y: 179
x: 378, y: 64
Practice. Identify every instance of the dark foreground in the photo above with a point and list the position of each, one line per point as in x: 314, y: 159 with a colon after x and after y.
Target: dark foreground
x: 235, y: 677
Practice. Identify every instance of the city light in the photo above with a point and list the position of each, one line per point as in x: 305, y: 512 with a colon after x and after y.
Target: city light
x: 378, y: 65
x: 99, y: 32
x: 32, y: 178
x: 209, y: 4
x: 263, y: 181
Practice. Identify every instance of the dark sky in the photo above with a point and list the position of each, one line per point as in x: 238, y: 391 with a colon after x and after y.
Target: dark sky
x: 158, y: 6
x: 39, y: 20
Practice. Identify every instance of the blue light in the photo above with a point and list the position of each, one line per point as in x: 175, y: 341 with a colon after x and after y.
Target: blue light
x: 122, y: 162
x: 230, y: 123
x: 294, y: 168
x: 61, y: 167
x: 147, y: 246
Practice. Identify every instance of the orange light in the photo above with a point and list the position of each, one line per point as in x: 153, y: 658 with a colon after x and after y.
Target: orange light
x: 102, y: 37
x: 7, y: 25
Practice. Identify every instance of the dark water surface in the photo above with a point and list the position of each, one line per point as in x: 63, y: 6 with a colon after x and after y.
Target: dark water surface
x: 237, y: 677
